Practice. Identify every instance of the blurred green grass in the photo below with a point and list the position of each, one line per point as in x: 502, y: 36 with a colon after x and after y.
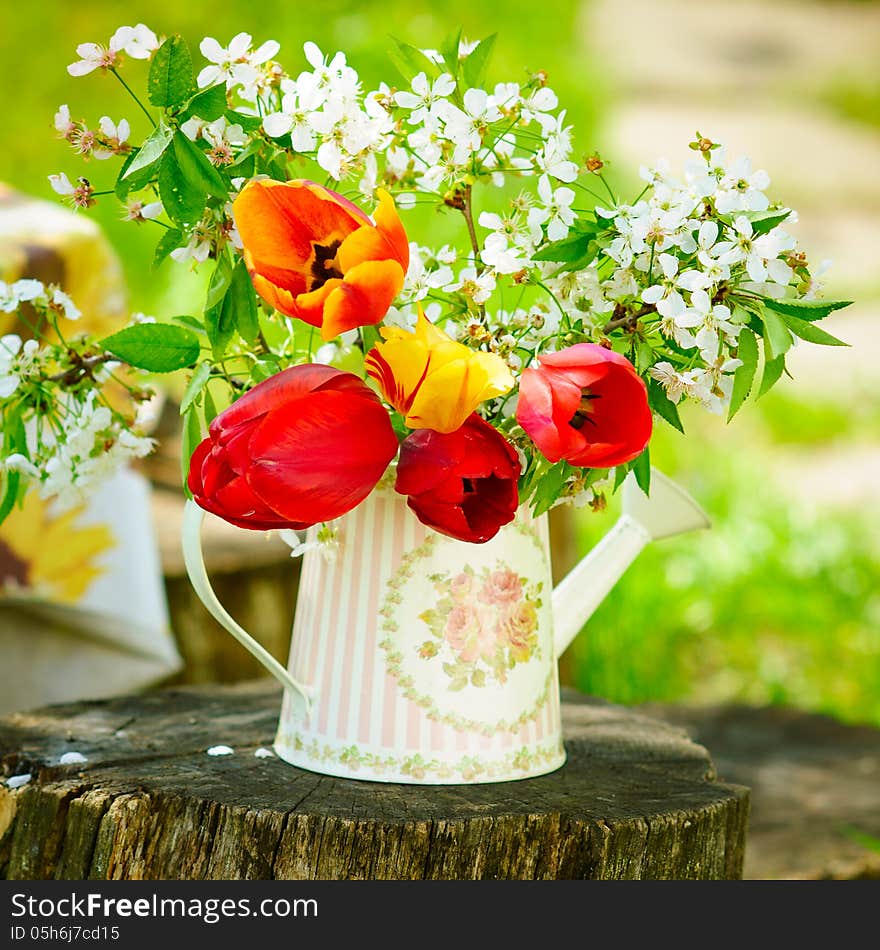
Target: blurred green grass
x: 779, y: 602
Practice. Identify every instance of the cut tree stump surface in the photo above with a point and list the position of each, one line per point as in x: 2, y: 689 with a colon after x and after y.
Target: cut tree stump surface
x: 636, y: 799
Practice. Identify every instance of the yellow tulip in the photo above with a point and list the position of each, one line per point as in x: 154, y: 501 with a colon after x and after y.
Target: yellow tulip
x: 433, y: 381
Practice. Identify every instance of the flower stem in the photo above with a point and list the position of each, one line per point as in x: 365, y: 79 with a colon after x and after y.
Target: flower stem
x: 134, y: 96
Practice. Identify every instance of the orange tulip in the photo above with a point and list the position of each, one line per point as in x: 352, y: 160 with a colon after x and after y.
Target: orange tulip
x: 312, y: 254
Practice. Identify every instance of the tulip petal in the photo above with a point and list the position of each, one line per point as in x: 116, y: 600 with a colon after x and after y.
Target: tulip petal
x: 362, y: 297
x: 463, y: 484
x: 281, y: 389
x: 320, y: 461
x: 450, y: 393
x: 386, y: 240
x: 433, y: 380
x: 311, y: 306
x: 279, y: 298
x: 613, y: 427
x: 279, y: 221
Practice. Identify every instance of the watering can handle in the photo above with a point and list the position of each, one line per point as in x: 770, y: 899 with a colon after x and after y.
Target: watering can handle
x: 193, y: 558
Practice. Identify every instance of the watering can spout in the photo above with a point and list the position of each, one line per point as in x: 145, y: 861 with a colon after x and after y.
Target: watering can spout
x: 668, y: 511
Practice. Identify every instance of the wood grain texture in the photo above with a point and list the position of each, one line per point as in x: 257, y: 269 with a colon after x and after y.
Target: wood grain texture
x: 637, y: 799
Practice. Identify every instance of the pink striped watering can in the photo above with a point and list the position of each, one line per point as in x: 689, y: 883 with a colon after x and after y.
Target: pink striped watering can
x: 417, y: 658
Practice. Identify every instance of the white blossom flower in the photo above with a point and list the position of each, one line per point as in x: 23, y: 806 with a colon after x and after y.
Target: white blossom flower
x: 741, y: 189
x: 713, y: 386
x: 664, y: 295
x: 556, y: 212
x: 10, y: 370
x: 115, y: 138
x: 506, y: 96
x: 420, y: 279
x: 478, y: 286
x: 93, y: 56
x: 298, y: 104
x: 675, y: 383
x: 537, y: 105
x: 80, y: 195
x: 760, y: 254
x: 139, y: 42
x: 198, y: 248
x: 236, y: 64
x: 515, y: 228
x: 466, y: 127
x: 61, y: 303
x: 553, y: 159
x: 425, y: 96
x: 63, y: 124
x: 715, y: 325
x: 502, y: 257
x: 138, y: 211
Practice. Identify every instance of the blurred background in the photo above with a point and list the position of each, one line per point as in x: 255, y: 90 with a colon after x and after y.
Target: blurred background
x: 780, y: 603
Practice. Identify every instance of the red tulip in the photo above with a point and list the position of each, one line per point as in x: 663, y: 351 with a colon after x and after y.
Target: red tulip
x: 587, y: 405
x: 462, y: 483
x: 307, y: 445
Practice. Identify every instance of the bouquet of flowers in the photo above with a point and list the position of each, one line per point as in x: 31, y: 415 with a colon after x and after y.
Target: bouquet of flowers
x: 524, y: 361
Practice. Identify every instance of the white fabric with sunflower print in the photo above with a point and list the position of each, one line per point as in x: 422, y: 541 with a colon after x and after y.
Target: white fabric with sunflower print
x: 82, y: 606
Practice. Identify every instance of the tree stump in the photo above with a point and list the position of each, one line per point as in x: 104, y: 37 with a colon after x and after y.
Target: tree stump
x: 636, y: 799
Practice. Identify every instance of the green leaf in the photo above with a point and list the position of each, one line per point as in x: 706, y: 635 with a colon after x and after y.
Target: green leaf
x: 569, y: 249
x: 191, y: 436
x: 248, y: 123
x: 195, y: 386
x: 156, y: 347
x: 777, y: 336
x: 184, y: 205
x: 186, y: 320
x: 151, y: 151
x: 773, y: 369
x: 210, y: 407
x: 747, y: 351
x: 549, y: 487
x: 449, y: 51
x: 124, y: 185
x: 263, y: 369
x: 170, y: 82
x: 641, y: 467
x: 810, y: 310
x: 12, y: 483
x: 410, y: 60
x: 243, y: 300
x: 620, y: 473
x: 765, y: 221
x: 196, y: 170
x: 474, y: 66
x: 209, y: 104
x: 220, y: 324
x: 663, y: 405
x: 220, y: 280
x: 810, y: 332
x: 171, y: 239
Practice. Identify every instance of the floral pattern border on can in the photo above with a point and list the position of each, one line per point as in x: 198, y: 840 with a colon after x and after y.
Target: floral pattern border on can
x: 350, y: 759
